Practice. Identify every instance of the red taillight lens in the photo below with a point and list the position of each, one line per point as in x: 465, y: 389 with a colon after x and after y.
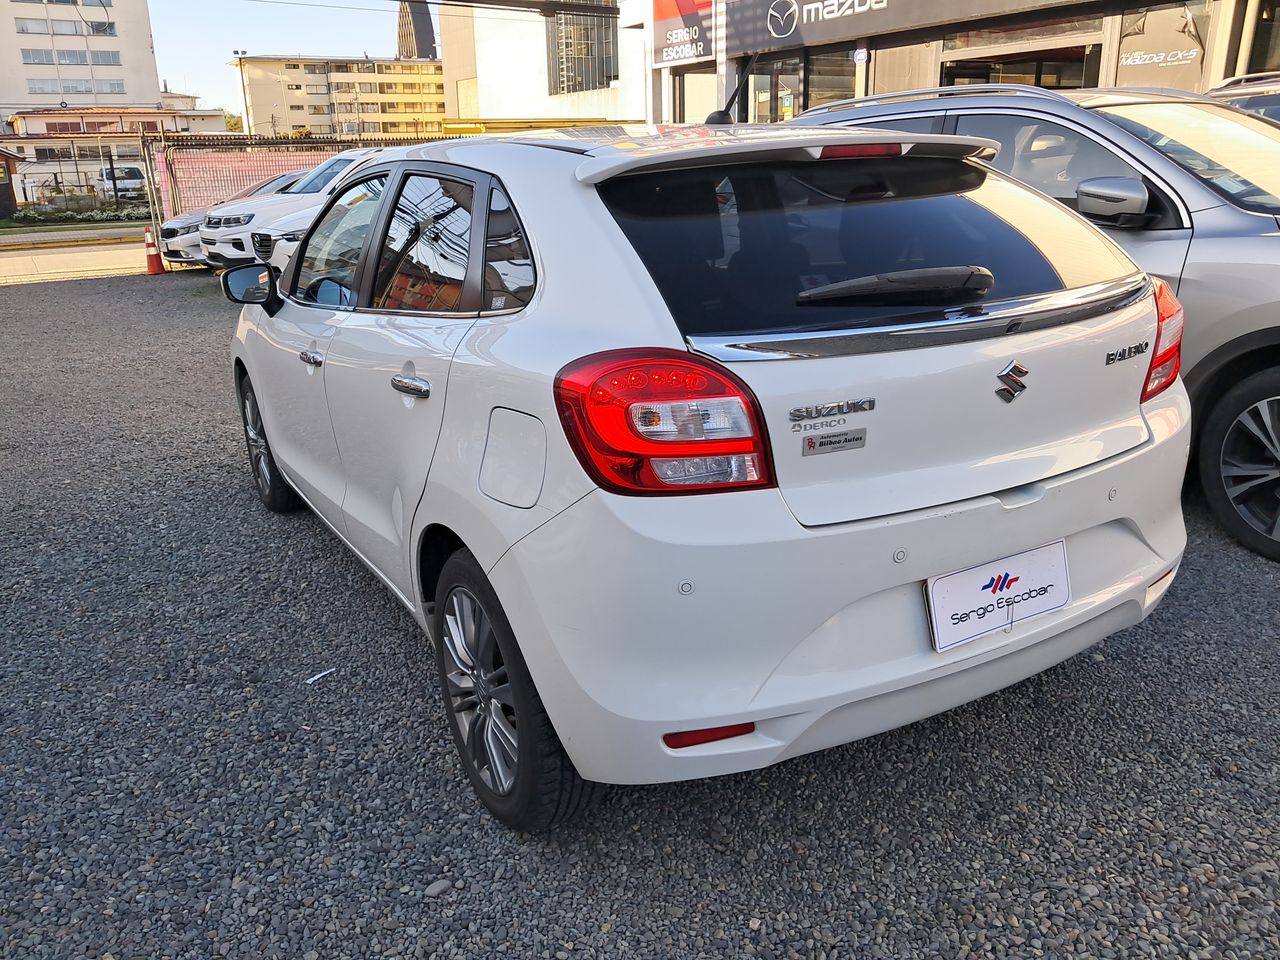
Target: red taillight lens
x: 856, y: 150
x: 1166, y: 359
x: 691, y: 738
x: 662, y: 421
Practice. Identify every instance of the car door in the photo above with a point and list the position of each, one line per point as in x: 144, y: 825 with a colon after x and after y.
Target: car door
x: 387, y: 369
x: 1055, y: 157
x: 288, y: 360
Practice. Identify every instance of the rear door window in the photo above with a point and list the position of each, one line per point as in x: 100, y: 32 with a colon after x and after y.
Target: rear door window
x: 924, y: 123
x: 423, y: 260
x: 1046, y: 155
x: 732, y: 247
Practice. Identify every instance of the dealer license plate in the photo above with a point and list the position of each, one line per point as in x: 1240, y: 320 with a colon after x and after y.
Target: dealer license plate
x: 994, y: 596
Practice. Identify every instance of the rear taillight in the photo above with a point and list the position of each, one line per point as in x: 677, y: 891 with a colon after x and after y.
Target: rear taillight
x: 657, y: 421
x: 1166, y: 359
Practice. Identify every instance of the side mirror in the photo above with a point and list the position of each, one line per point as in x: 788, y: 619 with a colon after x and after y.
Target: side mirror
x: 1048, y: 142
x: 251, y: 283
x: 1115, y: 201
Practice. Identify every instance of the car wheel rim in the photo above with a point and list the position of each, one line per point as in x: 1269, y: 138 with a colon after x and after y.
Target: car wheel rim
x: 1250, y: 466
x: 257, y: 439
x: 480, y: 693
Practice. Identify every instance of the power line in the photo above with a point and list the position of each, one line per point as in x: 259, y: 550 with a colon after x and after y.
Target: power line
x: 544, y: 7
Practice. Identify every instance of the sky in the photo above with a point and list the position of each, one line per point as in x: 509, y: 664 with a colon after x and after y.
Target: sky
x: 194, y: 40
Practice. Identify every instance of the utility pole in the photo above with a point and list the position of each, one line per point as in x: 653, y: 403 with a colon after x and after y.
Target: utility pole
x: 246, y: 127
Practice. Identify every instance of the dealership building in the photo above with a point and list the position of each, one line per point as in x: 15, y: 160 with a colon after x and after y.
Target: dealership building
x: 794, y: 54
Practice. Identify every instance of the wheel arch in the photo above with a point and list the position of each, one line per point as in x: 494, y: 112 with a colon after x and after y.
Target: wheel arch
x: 1228, y: 365
x: 436, y: 545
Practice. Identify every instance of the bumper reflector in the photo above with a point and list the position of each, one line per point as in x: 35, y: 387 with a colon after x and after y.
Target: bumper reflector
x: 691, y: 738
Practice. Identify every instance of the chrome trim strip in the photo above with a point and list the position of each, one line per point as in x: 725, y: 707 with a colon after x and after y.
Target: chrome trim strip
x: 948, y: 326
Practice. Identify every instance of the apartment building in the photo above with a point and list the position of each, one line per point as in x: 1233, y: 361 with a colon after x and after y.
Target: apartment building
x: 62, y: 151
x: 361, y: 97
x: 76, y: 53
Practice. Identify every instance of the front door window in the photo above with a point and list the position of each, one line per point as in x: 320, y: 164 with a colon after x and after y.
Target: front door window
x: 327, y: 276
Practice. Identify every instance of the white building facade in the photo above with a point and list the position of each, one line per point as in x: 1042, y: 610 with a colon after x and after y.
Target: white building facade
x: 76, y: 53
x: 520, y: 65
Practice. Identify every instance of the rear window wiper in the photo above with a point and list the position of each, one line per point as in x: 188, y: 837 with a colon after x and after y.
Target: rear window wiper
x: 934, y: 284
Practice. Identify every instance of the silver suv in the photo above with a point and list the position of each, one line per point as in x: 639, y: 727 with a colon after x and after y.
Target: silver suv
x: 1255, y: 92
x: 1190, y: 187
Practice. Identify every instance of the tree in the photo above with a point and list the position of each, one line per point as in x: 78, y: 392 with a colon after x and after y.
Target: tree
x: 233, y: 123
x: 302, y: 134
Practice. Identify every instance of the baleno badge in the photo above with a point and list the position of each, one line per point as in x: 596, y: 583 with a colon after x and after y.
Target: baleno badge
x: 1128, y: 353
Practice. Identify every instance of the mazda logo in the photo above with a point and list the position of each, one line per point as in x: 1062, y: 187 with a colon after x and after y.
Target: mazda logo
x: 783, y: 17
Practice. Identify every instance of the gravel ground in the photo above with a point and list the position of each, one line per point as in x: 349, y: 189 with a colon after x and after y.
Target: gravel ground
x: 170, y: 787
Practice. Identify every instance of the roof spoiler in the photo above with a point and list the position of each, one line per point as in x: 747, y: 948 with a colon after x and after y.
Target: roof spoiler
x: 736, y: 145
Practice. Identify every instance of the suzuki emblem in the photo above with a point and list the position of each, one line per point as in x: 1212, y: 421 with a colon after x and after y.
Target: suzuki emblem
x: 1011, y: 376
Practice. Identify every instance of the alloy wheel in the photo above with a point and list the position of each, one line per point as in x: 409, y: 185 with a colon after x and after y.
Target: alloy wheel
x: 1250, y: 466
x: 480, y: 692
x: 259, y: 457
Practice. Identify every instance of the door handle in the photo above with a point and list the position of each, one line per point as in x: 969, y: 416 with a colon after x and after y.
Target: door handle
x: 313, y: 358
x: 413, y: 386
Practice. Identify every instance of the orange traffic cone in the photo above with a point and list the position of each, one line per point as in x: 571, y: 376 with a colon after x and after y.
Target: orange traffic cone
x: 154, y: 263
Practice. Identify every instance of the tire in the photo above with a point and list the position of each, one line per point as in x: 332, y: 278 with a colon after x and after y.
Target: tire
x: 1239, y: 458
x: 504, y: 738
x: 274, y: 490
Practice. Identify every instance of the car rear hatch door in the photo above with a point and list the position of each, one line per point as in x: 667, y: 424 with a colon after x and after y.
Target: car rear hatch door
x: 921, y: 387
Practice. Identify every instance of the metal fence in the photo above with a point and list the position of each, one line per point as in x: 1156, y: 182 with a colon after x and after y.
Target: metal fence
x: 197, y: 173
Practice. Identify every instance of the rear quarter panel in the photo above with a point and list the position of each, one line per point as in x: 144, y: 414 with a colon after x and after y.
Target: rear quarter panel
x: 592, y: 294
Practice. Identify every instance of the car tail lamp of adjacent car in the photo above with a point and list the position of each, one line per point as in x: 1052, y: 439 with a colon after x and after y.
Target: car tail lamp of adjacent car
x: 1166, y: 358
x: 655, y: 421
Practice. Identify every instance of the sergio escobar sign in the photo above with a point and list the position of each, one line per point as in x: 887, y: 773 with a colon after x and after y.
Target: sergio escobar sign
x: 682, y: 32
x: 757, y: 26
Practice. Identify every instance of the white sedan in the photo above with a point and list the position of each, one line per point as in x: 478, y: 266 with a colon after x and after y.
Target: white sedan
x: 180, y: 235
x: 697, y: 451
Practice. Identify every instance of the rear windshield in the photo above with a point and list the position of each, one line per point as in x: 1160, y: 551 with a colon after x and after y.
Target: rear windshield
x: 732, y: 247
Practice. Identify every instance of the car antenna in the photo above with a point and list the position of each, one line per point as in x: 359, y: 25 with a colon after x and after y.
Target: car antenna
x: 722, y: 118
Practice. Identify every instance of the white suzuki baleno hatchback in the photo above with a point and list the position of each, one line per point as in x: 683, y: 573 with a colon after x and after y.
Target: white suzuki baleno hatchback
x: 700, y: 450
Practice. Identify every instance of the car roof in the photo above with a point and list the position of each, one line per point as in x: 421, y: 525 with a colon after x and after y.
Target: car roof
x: 604, y: 152
x: 1088, y: 98
x: 1247, y: 83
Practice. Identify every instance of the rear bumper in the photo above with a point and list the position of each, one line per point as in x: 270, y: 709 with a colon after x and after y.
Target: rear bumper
x: 640, y: 616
